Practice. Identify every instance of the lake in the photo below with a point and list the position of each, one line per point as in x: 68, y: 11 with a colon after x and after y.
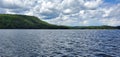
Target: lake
x: 59, y: 43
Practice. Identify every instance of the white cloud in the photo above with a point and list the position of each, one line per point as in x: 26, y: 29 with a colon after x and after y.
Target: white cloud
x: 66, y: 12
x: 93, y: 3
x: 111, y: 22
x: 11, y: 4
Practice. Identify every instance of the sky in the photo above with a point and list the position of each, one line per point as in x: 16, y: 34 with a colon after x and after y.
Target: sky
x: 67, y: 12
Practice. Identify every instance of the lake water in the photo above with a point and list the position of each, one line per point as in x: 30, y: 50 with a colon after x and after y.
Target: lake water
x: 59, y: 43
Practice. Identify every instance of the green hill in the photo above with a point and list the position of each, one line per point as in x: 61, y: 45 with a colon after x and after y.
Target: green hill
x: 8, y: 21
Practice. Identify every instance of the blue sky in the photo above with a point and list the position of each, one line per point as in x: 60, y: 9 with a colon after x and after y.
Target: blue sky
x: 112, y: 1
x: 67, y: 12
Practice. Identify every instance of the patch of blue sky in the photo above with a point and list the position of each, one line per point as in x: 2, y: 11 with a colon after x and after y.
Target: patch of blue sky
x: 112, y: 1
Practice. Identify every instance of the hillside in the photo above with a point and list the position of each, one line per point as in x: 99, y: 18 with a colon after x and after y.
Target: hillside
x: 8, y: 21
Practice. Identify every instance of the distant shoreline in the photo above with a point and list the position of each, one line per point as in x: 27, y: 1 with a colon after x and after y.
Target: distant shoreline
x: 60, y: 29
x: 10, y: 21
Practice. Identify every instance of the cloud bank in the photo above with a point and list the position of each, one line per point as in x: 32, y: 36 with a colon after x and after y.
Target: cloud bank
x: 67, y: 12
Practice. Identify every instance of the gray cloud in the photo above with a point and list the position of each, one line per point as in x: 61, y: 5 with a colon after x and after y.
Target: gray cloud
x: 66, y: 12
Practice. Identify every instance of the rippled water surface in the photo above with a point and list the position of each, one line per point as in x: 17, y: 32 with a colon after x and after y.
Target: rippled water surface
x: 59, y: 43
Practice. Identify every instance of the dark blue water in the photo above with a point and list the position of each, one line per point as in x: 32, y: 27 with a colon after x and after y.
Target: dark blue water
x: 59, y: 43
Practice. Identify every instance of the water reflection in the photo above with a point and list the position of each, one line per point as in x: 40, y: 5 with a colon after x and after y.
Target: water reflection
x: 59, y: 43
